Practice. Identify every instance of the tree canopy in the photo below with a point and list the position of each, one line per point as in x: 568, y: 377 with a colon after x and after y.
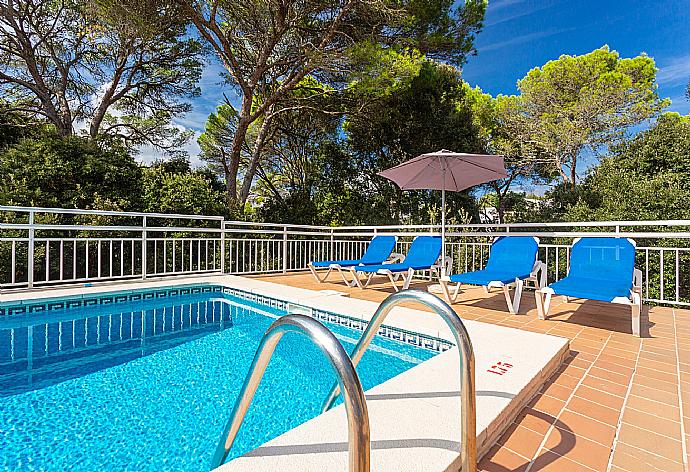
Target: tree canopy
x: 269, y: 48
x: 104, y: 67
x: 579, y: 104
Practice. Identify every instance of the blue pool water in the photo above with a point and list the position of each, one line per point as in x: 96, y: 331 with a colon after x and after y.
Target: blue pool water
x: 149, y: 385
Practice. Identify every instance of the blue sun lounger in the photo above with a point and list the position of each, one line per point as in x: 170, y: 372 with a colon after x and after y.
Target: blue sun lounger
x: 378, y: 252
x: 601, y: 269
x: 512, y: 262
x: 423, y: 255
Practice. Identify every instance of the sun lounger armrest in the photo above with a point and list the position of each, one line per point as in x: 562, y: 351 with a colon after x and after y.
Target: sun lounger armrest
x: 539, y: 273
x: 394, y: 258
x: 637, y: 281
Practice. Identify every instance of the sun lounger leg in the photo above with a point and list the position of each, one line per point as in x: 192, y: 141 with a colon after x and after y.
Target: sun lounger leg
x: 349, y: 283
x: 509, y: 302
x: 517, y: 296
x: 408, y: 279
x: 543, y: 301
x: 636, y: 309
x: 355, y: 279
x: 316, y: 275
x: 371, y: 276
x: 395, y: 285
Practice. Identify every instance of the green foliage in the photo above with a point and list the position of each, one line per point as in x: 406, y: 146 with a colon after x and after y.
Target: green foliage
x: 68, y: 173
x: 123, y: 68
x: 409, y: 117
x: 579, y: 103
x: 175, y: 188
x: 647, y: 178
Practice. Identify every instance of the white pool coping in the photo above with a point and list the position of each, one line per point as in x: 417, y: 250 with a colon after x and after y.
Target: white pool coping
x: 414, y: 417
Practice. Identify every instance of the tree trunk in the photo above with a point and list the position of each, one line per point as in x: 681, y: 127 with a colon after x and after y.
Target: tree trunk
x: 256, y: 156
x: 573, y: 174
x: 243, y: 122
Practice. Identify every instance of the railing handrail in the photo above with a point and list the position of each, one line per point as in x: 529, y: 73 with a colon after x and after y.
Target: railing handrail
x: 427, y: 227
x: 355, y: 403
x: 78, y: 211
x: 468, y: 411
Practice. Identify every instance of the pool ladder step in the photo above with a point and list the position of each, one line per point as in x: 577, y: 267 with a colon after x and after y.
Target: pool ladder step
x: 359, y: 448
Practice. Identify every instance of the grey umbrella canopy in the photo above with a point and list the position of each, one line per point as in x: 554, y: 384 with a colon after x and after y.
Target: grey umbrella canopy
x: 446, y: 170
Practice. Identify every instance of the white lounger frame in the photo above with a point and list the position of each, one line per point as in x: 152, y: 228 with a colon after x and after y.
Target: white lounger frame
x: 394, y: 257
x: 634, y: 299
x: 537, y: 277
x: 394, y: 276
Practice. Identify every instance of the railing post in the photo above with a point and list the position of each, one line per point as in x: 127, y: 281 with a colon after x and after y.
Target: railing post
x: 285, y: 249
x: 332, y: 255
x: 222, y: 246
x: 32, y: 250
x: 143, y: 249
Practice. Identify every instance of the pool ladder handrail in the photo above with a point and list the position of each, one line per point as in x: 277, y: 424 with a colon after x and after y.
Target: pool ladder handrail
x: 348, y: 381
x: 468, y: 410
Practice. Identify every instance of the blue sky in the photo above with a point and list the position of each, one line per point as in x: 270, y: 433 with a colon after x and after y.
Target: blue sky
x: 521, y: 34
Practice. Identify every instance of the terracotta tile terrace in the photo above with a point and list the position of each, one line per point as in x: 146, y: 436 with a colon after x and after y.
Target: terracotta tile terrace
x: 618, y: 403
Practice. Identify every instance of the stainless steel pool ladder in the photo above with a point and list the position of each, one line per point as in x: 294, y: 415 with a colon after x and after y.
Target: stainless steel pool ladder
x: 348, y: 382
x: 468, y: 413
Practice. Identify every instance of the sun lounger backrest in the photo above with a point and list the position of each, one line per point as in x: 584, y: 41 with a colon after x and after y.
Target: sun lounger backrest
x: 603, y: 258
x: 379, y: 249
x: 515, y: 253
x: 424, y: 251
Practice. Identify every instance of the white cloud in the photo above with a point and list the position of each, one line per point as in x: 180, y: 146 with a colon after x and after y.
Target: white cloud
x: 523, y: 39
x: 676, y: 71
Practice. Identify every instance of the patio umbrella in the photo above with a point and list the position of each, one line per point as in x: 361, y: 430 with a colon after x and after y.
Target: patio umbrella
x: 446, y: 170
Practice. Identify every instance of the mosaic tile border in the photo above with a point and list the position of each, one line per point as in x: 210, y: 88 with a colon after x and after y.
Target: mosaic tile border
x: 110, y: 298
x: 397, y: 334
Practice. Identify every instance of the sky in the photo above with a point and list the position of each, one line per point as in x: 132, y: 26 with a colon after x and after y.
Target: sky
x: 519, y: 35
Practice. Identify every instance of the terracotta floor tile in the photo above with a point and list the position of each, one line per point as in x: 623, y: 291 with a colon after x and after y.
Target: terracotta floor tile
x: 652, y: 442
x: 613, y: 367
x: 621, y: 379
x: 535, y: 420
x: 550, y: 462
x: 632, y: 459
x: 578, y: 449
x: 600, y: 397
x: 566, y: 380
x: 572, y: 370
x: 584, y: 356
x: 605, y: 386
x: 660, y: 366
x: 586, y: 427
x: 594, y: 410
x: 555, y: 390
x: 620, y: 353
x: 522, y: 441
x: 656, y: 374
x: 656, y: 384
x: 549, y: 405
x: 662, y: 410
x: 629, y: 363
x: 670, y: 398
x: 503, y: 460
x: 649, y: 420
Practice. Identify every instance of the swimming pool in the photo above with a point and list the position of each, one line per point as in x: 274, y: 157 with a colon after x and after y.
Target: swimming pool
x: 147, y: 380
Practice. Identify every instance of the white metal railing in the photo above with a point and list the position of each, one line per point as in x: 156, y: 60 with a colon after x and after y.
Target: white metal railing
x: 42, y: 246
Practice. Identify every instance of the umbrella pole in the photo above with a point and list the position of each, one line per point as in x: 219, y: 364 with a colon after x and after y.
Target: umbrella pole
x: 443, y: 226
